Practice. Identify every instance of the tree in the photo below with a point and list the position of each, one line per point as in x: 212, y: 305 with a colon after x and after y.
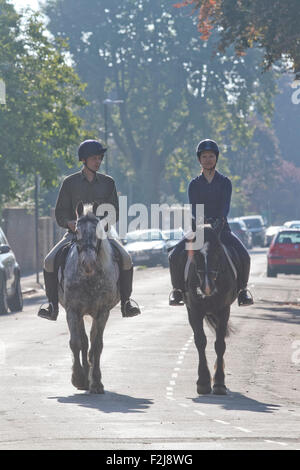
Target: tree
x: 143, y: 53
x: 38, y: 123
x: 286, y: 120
x: 273, y: 25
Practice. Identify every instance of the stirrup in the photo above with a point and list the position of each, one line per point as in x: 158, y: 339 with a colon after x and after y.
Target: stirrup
x: 172, y: 297
x: 248, y: 300
x: 49, y: 313
x: 135, y: 310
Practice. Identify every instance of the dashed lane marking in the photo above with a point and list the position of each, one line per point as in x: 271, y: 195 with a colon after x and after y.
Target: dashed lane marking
x: 170, y: 396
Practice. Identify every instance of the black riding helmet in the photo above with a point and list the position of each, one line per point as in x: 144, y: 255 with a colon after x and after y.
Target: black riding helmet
x: 207, y: 144
x: 88, y: 148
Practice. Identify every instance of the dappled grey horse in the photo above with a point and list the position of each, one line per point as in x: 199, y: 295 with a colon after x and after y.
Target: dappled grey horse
x: 211, y: 288
x: 90, y: 287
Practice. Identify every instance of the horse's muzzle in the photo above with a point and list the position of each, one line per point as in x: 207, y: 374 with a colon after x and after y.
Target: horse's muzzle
x: 88, y: 263
x: 205, y: 293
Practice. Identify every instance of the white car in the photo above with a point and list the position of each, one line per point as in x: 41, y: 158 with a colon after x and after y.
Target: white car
x: 292, y: 224
x: 271, y: 232
x: 174, y: 236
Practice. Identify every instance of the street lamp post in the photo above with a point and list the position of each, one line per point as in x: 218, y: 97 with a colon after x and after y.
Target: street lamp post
x: 106, y: 103
x: 36, y: 213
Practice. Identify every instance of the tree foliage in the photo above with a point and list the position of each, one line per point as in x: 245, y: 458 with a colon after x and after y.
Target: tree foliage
x: 38, y: 124
x: 273, y: 25
x: 174, y: 93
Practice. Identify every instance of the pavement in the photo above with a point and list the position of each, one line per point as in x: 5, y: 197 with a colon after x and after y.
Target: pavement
x: 30, y: 287
x: 283, y: 290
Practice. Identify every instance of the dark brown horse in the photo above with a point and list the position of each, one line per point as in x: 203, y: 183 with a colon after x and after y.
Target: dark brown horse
x: 211, y: 289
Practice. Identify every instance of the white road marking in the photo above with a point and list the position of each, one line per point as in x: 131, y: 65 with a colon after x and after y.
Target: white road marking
x: 199, y: 412
x: 276, y: 442
x: 242, y: 429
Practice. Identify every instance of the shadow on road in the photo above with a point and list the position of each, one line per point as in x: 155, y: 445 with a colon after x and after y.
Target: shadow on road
x: 110, y: 402
x: 279, y: 314
x: 237, y: 401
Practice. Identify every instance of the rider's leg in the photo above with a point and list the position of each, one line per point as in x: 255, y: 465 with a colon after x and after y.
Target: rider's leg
x: 244, y: 296
x: 176, y: 262
x: 51, y: 282
x: 126, y: 277
x: 51, y: 311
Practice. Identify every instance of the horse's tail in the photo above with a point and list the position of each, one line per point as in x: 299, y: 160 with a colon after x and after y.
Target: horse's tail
x: 213, y: 322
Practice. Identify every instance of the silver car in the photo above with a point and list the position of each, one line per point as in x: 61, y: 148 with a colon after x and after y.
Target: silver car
x: 147, y: 247
x: 256, y: 225
x: 10, y: 285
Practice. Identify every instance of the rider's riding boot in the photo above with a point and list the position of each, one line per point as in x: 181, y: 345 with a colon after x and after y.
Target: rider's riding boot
x: 50, y: 312
x: 127, y: 309
x: 177, y: 261
x: 176, y: 297
x: 245, y: 298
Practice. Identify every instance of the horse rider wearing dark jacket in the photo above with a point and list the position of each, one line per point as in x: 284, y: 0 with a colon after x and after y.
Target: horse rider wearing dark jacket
x: 87, y: 186
x: 213, y: 190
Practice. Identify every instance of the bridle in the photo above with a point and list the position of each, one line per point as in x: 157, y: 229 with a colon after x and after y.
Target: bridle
x: 82, y: 246
x: 211, y: 274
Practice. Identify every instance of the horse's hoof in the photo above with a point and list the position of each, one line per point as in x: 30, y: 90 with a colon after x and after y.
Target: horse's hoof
x: 80, y: 383
x: 82, y: 387
x: 204, y: 389
x: 219, y: 390
x: 97, y: 389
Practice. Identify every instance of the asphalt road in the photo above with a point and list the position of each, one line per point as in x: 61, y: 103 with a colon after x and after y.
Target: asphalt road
x: 149, y: 366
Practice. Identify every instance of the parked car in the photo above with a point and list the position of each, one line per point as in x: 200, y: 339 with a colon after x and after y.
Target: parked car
x: 147, y: 247
x: 173, y: 237
x: 256, y: 225
x: 271, y: 232
x: 292, y: 224
x: 10, y: 285
x: 284, y: 253
x: 239, y: 228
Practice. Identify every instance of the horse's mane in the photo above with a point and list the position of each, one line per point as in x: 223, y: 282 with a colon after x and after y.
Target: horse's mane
x: 210, y: 235
x: 105, y: 253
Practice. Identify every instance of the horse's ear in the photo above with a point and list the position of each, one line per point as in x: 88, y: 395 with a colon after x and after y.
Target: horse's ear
x: 79, y: 209
x: 104, y: 216
x: 95, y: 207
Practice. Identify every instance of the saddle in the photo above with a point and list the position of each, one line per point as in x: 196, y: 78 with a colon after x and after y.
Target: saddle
x: 60, y: 262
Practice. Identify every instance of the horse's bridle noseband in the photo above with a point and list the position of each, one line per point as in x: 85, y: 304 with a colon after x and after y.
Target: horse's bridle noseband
x: 81, y: 246
x: 214, y: 273
x: 85, y: 246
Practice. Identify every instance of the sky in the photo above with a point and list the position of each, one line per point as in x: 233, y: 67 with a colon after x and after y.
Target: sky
x: 19, y: 4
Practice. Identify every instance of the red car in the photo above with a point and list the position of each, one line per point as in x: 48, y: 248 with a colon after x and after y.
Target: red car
x: 284, y: 253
